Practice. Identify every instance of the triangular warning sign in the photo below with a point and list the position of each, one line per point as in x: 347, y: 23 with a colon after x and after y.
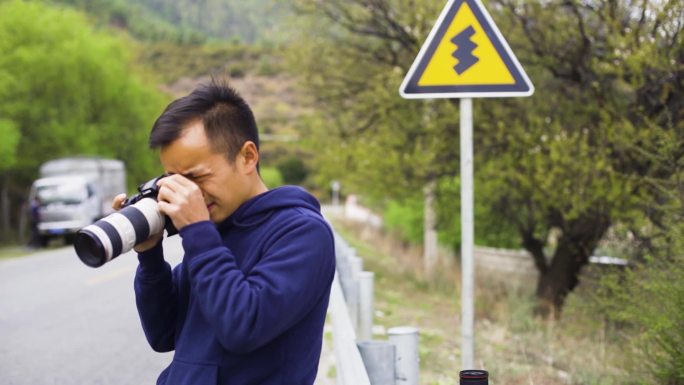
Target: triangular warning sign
x: 465, y: 56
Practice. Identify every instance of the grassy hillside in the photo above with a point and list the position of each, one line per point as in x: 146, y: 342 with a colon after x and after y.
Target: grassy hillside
x: 184, y: 43
x: 179, y: 43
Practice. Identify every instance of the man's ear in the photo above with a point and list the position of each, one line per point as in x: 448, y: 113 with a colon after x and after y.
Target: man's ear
x: 250, y: 156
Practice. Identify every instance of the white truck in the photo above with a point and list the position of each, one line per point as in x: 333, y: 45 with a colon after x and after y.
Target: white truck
x: 75, y: 192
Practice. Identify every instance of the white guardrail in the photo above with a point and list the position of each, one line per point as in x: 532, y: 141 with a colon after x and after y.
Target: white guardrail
x: 359, y: 359
x: 349, y: 365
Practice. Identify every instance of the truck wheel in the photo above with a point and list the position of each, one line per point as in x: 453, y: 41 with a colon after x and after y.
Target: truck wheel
x: 43, y: 240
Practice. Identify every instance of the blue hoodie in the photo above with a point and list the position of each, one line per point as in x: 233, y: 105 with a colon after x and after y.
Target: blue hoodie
x: 248, y: 302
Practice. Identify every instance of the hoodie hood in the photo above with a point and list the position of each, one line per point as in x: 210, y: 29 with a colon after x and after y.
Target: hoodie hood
x: 259, y: 208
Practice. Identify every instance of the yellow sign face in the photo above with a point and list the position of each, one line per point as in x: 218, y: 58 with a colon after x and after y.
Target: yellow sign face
x: 465, y: 56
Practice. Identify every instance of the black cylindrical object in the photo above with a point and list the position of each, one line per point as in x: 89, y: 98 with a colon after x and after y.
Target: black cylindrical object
x: 119, y: 232
x: 474, y: 377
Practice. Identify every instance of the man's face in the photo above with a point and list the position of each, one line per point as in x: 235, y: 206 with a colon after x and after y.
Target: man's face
x: 224, y: 186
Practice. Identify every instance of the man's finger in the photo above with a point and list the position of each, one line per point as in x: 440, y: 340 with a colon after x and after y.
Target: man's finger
x: 183, y: 187
x: 174, y: 196
x: 118, y: 201
x: 171, y: 184
x: 167, y: 208
x: 166, y: 194
x: 178, y: 180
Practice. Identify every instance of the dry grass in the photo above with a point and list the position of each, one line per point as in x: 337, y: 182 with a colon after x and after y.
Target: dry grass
x: 275, y: 100
x: 511, y: 343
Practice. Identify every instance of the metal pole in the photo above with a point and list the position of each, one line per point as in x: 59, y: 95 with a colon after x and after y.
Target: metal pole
x: 467, y: 235
x: 335, y: 193
x: 407, y: 362
x: 378, y: 358
x: 354, y: 292
x: 365, y: 331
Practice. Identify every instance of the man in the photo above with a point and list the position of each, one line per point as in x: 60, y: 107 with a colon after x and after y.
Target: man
x: 247, y: 304
x: 34, y: 219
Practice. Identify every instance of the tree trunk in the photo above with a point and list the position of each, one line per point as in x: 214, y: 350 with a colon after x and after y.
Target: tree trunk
x: 4, y: 211
x: 561, y: 276
x: 430, y: 230
x: 559, y: 279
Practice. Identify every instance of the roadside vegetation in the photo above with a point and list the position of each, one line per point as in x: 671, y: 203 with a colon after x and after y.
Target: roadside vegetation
x: 67, y: 89
x: 8, y: 252
x: 597, y: 147
x: 595, y: 155
x: 89, y: 78
x: 601, y: 339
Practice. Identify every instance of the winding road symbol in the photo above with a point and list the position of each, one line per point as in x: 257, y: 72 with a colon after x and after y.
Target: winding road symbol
x: 464, y: 50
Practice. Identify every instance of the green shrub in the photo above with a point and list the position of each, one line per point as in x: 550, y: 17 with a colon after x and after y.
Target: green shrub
x: 271, y: 177
x: 490, y: 228
x: 68, y: 88
x: 406, y: 219
x: 647, y: 303
x: 293, y: 170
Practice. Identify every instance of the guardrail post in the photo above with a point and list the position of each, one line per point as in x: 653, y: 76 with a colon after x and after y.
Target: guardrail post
x: 354, y: 291
x: 344, y: 255
x: 366, y: 279
x: 378, y: 358
x: 405, y: 339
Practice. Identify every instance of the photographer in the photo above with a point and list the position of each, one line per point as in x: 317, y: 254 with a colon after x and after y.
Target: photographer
x: 247, y: 303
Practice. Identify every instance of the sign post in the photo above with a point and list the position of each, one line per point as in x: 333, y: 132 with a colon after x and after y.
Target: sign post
x: 464, y: 57
x: 467, y: 237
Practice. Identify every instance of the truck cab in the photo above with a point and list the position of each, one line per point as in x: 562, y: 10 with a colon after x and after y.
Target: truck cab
x: 67, y: 203
x: 75, y: 192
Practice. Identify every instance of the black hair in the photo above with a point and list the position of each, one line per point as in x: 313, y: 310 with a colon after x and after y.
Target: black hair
x: 228, y: 121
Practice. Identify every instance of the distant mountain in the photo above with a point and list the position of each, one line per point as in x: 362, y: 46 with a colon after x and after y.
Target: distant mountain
x: 248, y: 21
x: 191, y: 20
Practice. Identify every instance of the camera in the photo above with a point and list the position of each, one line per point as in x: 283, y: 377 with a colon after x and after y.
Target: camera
x: 119, y: 232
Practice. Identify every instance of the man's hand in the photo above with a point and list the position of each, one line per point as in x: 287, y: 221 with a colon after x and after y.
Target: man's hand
x: 182, y: 200
x: 151, y: 241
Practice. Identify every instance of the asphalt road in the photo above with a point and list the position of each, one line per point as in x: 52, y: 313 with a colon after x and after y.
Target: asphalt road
x: 62, y: 322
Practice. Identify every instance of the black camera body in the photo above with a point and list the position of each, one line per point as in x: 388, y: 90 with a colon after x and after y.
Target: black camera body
x: 150, y: 189
x: 119, y: 232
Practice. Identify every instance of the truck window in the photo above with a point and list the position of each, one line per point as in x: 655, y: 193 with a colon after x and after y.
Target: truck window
x: 66, y: 194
